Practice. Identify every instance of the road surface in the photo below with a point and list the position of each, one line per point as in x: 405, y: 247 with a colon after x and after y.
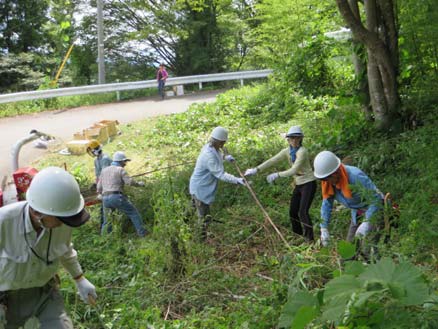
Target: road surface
x: 63, y: 124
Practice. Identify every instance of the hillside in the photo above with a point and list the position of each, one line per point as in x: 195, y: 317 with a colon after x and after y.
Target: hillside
x: 243, y: 275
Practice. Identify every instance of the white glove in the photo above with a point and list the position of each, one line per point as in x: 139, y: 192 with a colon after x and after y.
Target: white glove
x: 85, y: 289
x: 363, y: 229
x: 240, y: 181
x: 99, y: 197
x: 270, y: 178
x: 140, y: 183
x: 229, y: 158
x: 250, y: 172
x: 325, y: 236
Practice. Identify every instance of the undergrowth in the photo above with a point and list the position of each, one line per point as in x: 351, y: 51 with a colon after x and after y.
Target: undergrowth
x: 244, y: 276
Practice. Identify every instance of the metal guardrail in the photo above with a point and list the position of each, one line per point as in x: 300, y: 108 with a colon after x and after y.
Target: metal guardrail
x: 111, y: 87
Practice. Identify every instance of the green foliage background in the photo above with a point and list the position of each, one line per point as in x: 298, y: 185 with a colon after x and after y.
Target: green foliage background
x: 243, y: 276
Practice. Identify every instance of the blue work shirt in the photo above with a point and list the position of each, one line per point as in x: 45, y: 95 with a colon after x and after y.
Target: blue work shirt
x: 101, y: 162
x: 208, y: 170
x: 359, y: 182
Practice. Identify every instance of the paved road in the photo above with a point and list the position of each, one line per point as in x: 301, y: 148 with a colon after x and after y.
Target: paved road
x: 63, y: 124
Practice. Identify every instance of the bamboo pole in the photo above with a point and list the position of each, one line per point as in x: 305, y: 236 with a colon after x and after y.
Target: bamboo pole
x: 265, y: 213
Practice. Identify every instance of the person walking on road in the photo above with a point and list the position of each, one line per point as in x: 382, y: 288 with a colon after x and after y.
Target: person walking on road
x: 209, y: 169
x: 351, y: 187
x: 161, y: 78
x: 35, y: 237
x: 110, y: 186
x: 305, y: 185
x: 101, y: 161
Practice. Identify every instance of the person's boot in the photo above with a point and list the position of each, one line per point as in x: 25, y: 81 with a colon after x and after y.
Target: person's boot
x: 204, y: 229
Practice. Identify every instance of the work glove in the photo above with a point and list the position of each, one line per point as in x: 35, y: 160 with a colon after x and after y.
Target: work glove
x: 250, y: 172
x: 141, y: 184
x: 325, y: 236
x: 240, y: 181
x: 363, y: 229
x: 229, y: 158
x: 270, y: 178
x: 99, y: 197
x: 85, y: 289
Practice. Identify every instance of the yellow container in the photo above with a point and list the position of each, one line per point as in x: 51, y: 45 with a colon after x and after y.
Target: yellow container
x: 112, y: 126
x: 78, y: 147
x: 103, y: 132
x: 96, y: 133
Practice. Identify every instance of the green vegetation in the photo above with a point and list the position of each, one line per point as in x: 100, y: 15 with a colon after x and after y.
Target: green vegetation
x: 243, y: 276
x: 372, y: 98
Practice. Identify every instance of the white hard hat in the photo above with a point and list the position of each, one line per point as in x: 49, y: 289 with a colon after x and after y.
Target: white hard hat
x: 55, y: 192
x: 120, y: 156
x: 220, y: 133
x: 294, y: 131
x: 325, y: 164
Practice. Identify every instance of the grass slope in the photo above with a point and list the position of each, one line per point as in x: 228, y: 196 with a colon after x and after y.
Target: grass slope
x: 242, y: 275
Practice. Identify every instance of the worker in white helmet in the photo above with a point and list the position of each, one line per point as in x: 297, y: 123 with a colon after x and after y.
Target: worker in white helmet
x: 110, y: 186
x: 35, y: 237
x: 101, y: 160
x: 351, y: 187
x: 209, y: 169
x: 305, y: 185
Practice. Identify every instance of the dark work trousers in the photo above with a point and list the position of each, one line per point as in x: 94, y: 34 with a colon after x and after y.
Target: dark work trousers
x: 45, y: 303
x: 204, y: 217
x: 300, y: 202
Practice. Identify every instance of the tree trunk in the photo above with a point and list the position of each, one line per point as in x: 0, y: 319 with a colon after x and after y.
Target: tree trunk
x: 360, y: 67
x: 380, y: 40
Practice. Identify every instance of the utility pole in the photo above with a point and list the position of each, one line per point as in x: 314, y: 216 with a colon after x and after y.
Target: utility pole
x: 100, y: 45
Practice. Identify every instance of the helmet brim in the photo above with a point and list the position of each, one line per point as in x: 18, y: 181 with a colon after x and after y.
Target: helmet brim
x: 76, y: 220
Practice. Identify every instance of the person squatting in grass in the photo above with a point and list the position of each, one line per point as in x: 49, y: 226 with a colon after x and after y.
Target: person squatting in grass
x: 351, y: 187
x: 101, y: 161
x: 110, y: 187
x: 209, y: 169
x: 35, y: 237
x: 305, y: 186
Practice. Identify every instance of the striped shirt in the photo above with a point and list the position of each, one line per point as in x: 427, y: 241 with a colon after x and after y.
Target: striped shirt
x: 112, y: 179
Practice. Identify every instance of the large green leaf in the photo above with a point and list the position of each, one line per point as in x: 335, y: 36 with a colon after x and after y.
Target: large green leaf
x: 354, y: 268
x: 337, y: 294
x: 294, y: 304
x: 404, y: 280
x: 342, y: 287
x: 304, y: 316
x: 381, y: 271
x: 334, y: 310
x: 346, y: 249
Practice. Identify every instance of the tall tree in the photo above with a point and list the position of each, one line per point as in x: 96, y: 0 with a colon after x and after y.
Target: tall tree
x: 21, y: 27
x: 380, y: 37
x: 201, y: 49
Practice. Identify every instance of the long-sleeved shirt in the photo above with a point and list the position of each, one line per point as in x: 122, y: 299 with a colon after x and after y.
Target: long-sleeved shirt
x: 113, y: 179
x: 209, y: 169
x: 365, y: 196
x: 101, y: 161
x: 19, y: 267
x: 300, y: 169
x: 162, y: 74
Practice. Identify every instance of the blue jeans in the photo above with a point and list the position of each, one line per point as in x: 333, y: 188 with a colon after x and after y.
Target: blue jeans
x: 161, y: 88
x: 121, y: 202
